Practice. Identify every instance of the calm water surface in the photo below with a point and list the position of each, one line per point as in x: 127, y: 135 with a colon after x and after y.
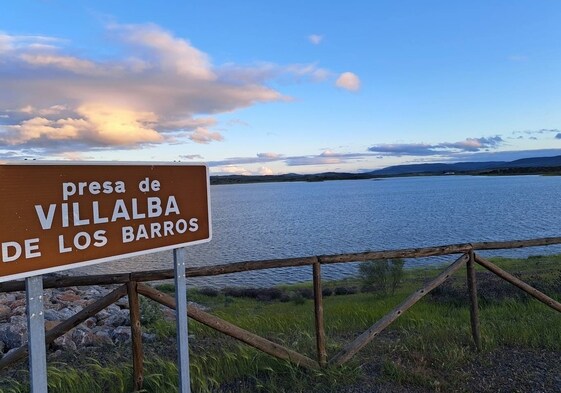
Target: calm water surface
x: 279, y: 220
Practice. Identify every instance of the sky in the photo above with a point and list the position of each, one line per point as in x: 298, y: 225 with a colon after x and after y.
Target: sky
x: 263, y: 87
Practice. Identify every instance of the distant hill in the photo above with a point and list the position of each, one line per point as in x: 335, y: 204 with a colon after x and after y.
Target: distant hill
x: 535, y: 162
x: 522, y: 166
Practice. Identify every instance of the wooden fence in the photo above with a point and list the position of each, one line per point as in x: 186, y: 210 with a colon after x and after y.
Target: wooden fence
x: 132, y: 284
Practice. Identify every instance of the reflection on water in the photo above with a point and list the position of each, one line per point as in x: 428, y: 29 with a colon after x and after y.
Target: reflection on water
x: 281, y: 220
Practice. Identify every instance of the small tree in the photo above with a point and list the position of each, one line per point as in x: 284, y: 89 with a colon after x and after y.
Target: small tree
x: 396, y: 273
x: 381, y: 275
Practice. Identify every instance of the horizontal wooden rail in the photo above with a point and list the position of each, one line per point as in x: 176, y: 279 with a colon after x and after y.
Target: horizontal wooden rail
x: 230, y: 330
x: 236, y: 267
x: 510, y: 244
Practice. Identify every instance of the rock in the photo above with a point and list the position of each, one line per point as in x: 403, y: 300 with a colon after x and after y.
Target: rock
x: 91, y: 322
x: 51, y: 324
x: 65, y: 342
x: 103, y: 314
x: 21, y: 310
x: 2, y: 347
x: 149, y: 337
x: 78, y: 334
x: 17, y: 303
x: 5, y: 313
x: 122, y: 334
x: 123, y: 302
x: 19, y: 320
x: 7, y: 298
x: 52, y: 315
x: 119, y: 318
x: 68, y: 312
x: 68, y: 297
x: 92, y: 293
x: 97, y: 339
x: 13, y: 335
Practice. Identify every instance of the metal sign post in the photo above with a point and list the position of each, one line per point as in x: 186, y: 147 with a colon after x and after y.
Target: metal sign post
x: 36, y: 334
x: 179, y: 255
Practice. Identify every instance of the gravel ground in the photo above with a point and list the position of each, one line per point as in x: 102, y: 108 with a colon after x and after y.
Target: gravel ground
x: 503, y: 370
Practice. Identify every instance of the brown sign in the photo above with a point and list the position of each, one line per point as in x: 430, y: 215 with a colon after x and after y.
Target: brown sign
x: 56, y: 217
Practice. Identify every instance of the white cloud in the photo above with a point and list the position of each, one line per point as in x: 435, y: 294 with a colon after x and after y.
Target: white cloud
x: 315, y: 39
x: 191, y: 157
x: 172, y: 54
x: 265, y: 171
x: 66, y: 63
x: 269, y: 156
x: 163, y: 89
x: 233, y: 170
x: 202, y: 135
x: 348, y: 81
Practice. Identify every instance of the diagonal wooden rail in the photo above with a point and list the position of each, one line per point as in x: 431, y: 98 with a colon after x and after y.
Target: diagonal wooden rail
x: 131, y: 285
x: 353, y: 347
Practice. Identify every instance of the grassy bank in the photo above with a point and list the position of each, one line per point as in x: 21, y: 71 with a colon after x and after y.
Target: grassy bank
x: 428, y: 349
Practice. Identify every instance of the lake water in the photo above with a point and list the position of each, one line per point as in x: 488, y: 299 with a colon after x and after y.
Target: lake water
x: 280, y: 220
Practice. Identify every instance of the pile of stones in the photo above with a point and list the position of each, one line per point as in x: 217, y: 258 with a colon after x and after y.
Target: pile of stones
x: 110, y: 326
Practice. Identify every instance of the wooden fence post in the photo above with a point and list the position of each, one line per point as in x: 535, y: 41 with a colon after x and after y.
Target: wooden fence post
x: 136, y: 335
x: 474, y: 306
x: 318, y: 308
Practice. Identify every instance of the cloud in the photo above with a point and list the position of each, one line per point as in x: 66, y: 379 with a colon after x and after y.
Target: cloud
x: 95, y: 124
x: 421, y: 149
x: 315, y: 39
x: 64, y: 63
x: 263, y: 71
x: 348, y: 81
x: 202, y: 135
x: 191, y: 157
x: 264, y: 171
x: 327, y: 157
x: 269, y: 156
x: 540, y: 131
x: 171, y: 54
x: 258, y: 158
x: 161, y: 90
x: 232, y: 170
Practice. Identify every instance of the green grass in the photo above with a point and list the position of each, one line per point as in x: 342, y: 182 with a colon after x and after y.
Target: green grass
x: 426, y: 347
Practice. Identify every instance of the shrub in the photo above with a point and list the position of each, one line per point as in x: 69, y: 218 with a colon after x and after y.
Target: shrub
x: 298, y: 299
x: 381, y: 275
x: 263, y: 294
x: 345, y: 290
x: 168, y: 288
x: 268, y: 294
x: 210, y: 292
x: 307, y: 293
x: 285, y: 297
x: 327, y: 291
x: 150, y: 311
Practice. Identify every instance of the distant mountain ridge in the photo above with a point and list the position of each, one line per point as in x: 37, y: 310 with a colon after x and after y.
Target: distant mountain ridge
x: 521, y: 166
x: 534, y: 162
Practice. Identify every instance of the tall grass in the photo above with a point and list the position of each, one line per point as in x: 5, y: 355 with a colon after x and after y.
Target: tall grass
x: 429, y: 342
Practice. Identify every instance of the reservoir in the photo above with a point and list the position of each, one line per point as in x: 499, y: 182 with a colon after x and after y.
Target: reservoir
x: 281, y: 220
